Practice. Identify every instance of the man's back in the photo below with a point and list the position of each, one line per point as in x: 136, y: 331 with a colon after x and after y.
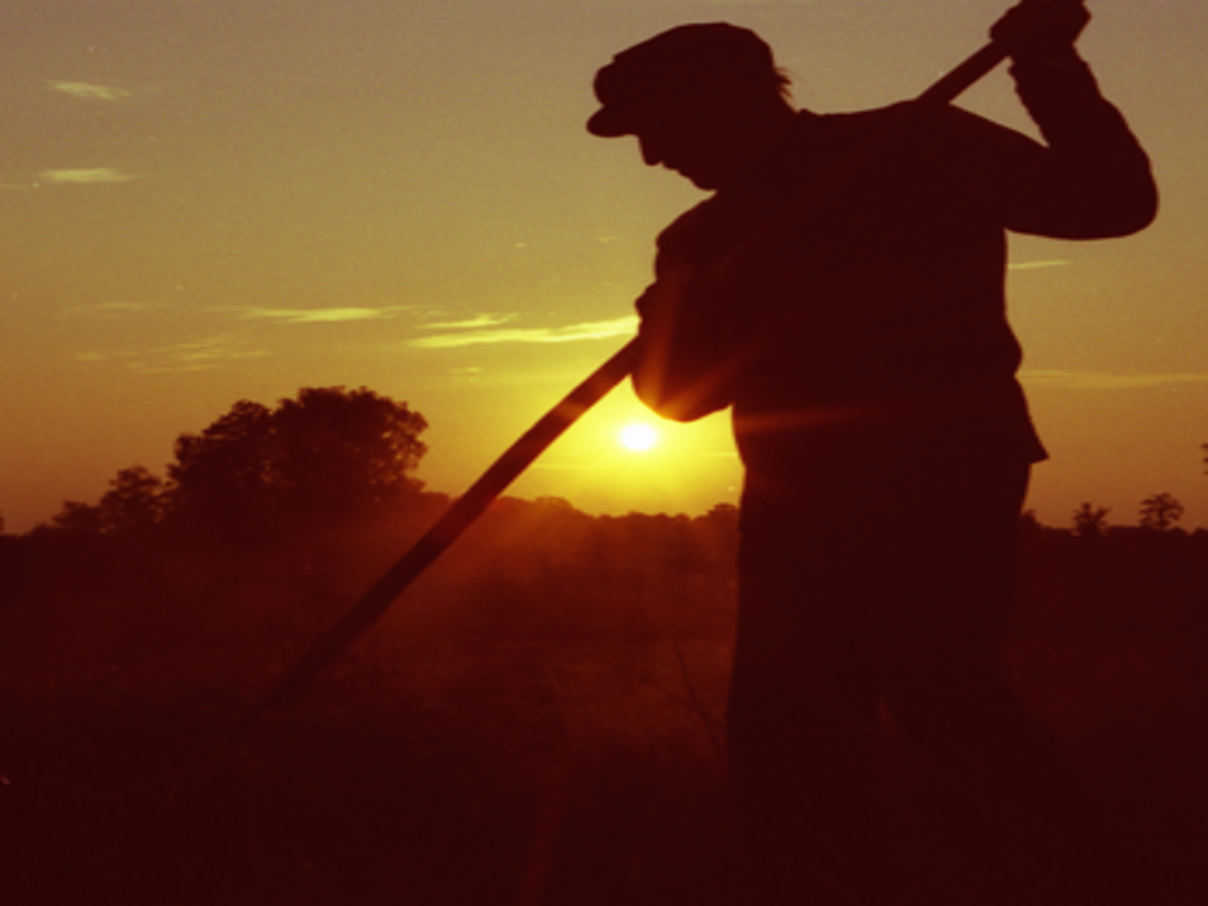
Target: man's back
x: 883, y: 309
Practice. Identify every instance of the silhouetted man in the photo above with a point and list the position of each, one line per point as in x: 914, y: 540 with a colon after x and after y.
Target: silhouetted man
x: 862, y: 342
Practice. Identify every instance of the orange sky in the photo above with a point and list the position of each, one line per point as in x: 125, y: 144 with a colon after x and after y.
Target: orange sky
x: 204, y: 202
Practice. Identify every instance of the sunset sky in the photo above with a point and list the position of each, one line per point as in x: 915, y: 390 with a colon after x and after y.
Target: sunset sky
x: 212, y: 200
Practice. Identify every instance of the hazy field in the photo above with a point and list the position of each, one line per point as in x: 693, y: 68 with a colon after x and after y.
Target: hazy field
x: 538, y: 721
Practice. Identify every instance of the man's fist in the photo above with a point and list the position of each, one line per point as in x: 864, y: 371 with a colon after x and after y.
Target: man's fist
x: 1041, y: 30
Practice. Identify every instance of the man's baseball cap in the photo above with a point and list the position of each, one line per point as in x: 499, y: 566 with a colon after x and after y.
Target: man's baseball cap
x: 642, y: 80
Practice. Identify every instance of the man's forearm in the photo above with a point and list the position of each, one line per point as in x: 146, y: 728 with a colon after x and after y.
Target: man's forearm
x: 1063, y: 98
x: 1094, y: 179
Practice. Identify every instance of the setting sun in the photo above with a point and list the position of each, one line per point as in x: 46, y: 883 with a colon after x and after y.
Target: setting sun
x: 638, y: 437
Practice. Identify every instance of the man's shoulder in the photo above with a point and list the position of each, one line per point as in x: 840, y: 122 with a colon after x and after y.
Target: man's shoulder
x: 946, y: 137
x: 946, y: 119
x: 949, y: 138
x: 680, y: 233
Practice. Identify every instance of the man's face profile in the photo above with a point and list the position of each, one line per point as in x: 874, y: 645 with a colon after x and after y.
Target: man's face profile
x: 692, y: 96
x: 692, y: 136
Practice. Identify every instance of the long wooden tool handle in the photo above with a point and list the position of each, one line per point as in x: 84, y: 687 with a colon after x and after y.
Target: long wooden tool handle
x: 459, y: 517
x: 954, y: 83
x: 507, y: 468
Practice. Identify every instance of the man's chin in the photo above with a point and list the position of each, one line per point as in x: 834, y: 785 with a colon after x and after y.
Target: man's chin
x: 701, y: 181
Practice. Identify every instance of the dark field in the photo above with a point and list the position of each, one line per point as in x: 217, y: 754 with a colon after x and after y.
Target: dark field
x: 538, y: 722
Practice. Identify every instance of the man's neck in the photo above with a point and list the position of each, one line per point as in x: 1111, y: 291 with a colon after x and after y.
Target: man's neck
x: 762, y: 143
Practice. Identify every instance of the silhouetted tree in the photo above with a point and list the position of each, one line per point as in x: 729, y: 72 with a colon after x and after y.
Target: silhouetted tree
x: 79, y: 518
x: 330, y: 452
x: 134, y: 501
x: 724, y: 515
x: 1160, y: 512
x: 1090, y: 521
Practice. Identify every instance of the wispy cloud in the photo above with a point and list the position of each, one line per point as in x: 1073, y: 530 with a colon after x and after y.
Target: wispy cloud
x: 88, y: 91
x: 728, y: 3
x: 108, y: 310
x: 591, y: 330
x: 489, y: 320
x: 1036, y: 265
x: 201, y: 355
x: 1102, y: 380
x: 84, y: 177
x: 318, y: 315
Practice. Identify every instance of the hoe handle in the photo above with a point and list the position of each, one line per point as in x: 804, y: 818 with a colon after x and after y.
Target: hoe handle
x: 459, y: 517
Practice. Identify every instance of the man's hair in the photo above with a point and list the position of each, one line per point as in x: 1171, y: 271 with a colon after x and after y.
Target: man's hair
x: 713, y: 58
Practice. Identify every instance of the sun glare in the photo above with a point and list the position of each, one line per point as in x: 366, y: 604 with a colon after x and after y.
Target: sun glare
x: 638, y: 437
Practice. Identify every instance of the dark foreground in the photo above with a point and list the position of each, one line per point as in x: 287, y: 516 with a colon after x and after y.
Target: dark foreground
x: 489, y: 745
x: 571, y: 783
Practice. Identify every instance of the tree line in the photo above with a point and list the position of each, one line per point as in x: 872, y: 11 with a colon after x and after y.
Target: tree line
x: 271, y: 520
x: 327, y: 455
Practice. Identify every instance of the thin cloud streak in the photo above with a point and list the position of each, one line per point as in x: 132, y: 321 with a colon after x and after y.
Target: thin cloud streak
x: 202, y: 355
x: 1037, y: 265
x: 591, y: 330
x: 479, y: 321
x: 1101, y: 380
x: 89, y: 91
x: 318, y: 315
x: 108, y: 310
x: 84, y: 177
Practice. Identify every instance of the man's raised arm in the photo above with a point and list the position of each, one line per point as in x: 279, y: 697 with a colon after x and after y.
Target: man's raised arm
x: 1093, y: 180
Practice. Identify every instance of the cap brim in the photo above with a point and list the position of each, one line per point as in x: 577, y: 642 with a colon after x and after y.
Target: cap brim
x: 607, y: 122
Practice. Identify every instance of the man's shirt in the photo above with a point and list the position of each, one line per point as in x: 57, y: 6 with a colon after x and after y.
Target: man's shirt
x: 876, y: 314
